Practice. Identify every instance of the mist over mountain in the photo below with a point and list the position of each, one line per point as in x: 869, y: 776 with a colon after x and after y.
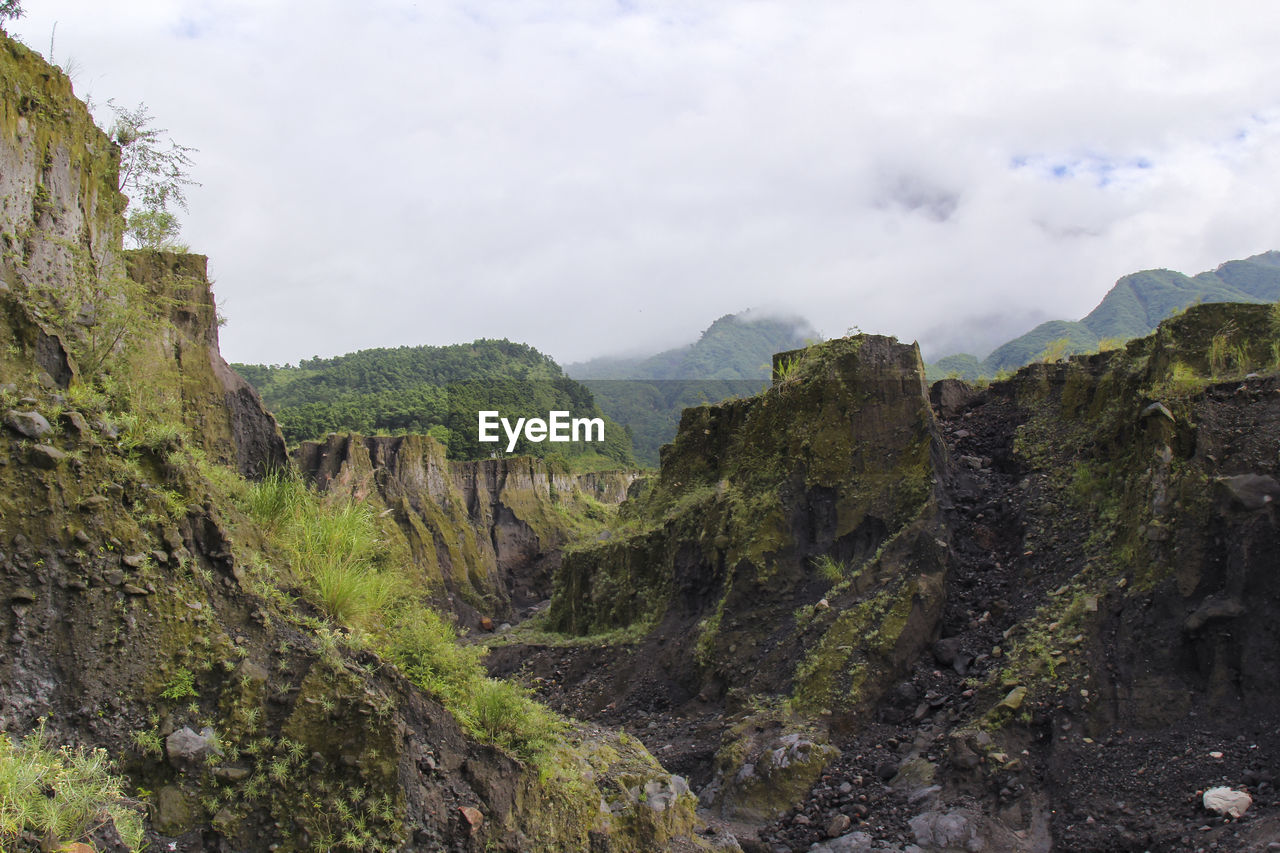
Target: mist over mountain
x: 732, y: 357
x: 736, y: 346
x: 1131, y: 309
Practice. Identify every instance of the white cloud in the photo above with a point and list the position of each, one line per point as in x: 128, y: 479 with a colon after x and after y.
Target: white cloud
x: 592, y: 176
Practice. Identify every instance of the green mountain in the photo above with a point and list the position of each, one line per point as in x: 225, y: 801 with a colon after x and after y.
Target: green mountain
x: 437, y: 390
x: 732, y: 357
x: 737, y: 346
x: 1131, y: 309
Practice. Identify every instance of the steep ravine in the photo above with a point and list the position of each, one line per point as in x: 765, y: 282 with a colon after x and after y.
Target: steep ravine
x: 1103, y: 652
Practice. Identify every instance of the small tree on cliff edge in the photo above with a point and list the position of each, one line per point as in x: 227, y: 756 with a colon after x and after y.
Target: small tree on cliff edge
x: 10, y: 9
x: 154, y: 175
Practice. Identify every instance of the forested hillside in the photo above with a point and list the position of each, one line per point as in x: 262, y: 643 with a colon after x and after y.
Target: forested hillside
x: 437, y: 390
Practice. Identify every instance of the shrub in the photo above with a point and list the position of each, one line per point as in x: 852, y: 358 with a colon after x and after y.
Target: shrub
x: 181, y: 686
x: 1224, y: 356
x: 64, y: 794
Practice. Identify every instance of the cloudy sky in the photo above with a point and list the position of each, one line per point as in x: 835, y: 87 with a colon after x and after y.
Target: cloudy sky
x: 596, y: 177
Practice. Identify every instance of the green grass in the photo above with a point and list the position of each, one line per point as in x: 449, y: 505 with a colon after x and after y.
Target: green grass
x: 64, y: 794
x: 425, y: 648
x: 334, y: 549
x: 829, y: 569
x: 1226, y: 357
x: 333, y: 545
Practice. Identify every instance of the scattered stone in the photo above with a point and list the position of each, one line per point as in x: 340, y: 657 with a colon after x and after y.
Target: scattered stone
x: 46, y: 456
x: 185, y: 747
x: 113, y: 577
x: 77, y: 422
x: 486, y: 624
x: 473, y: 817
x: 1013, y: 701
x: 30, y: 424
x: 1225, y: 801
x: 946, y: 650
x: 248, y: 671
x: 1157, y: 409
x: 133, y: 589
x: 914, y: 774
x: 231, y: 774
x: 134, y: 561
x: 23, y: 595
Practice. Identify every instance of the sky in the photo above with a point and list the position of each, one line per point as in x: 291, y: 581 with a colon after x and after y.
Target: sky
x: 597, y: 178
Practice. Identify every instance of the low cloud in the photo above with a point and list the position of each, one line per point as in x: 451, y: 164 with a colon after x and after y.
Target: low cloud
x: 593, y: 178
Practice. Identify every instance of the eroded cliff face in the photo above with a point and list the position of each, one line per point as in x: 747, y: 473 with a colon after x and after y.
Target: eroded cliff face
x: 80, y: 308
x: 817, y: 490
x: 486, y: 534
x: 785, y: 567
x: 144, y: 612
x: 1051, y: 623
x: 222, y: 412
x: 60, y: 213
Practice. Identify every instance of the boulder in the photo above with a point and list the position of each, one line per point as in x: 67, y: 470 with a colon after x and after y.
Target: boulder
x: 174, y: 812
x: 46, y: 456
x: 185, y: 747
x: 30, y: 424
x: 952, y: 396
x: 854, y: 842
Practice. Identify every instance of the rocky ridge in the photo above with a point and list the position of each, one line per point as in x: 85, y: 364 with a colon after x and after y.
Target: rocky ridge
x: 1100, y: 652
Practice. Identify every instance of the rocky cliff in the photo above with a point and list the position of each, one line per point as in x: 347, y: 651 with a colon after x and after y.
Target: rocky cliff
x: 785, y: 566
x: 486, y: 535
x: 1037, y: 617
x: 157, y: 605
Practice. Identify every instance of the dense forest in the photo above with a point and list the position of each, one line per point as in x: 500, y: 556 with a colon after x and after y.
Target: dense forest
x: 437, y: 390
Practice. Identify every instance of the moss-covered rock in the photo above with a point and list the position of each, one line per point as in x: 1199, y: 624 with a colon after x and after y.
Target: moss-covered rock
x: 767, y: 762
